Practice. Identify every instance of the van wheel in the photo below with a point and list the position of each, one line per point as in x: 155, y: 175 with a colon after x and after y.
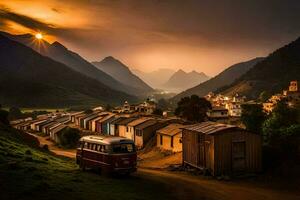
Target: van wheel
x: 82, y: 166
x: 99, y: 170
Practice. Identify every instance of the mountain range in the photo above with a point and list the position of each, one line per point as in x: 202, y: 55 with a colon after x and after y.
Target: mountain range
x: 273, y: 74
x: 60, y: 53
x: 29, y: 79
x: 182, y: 80
x: 226, y: 77
x: 122, y: 73
x: 156, y: 78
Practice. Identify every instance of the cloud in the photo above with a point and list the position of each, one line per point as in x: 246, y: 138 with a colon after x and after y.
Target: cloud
x: 154, y: 32
x: 24, y: 20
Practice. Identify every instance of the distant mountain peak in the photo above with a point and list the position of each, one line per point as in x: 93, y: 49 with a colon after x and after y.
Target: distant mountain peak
x: 226, y: 77
x: 195, y: 72
x: 122, y: 73
x: 180, y: 71
x: 182, y: 80
x: 58, y: 45
x: 109, y: 58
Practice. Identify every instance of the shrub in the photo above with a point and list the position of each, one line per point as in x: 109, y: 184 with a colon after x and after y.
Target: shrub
x: 69, y: 137
x: 4, y: 117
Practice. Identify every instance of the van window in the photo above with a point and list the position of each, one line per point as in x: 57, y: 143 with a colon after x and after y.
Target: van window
x: 123, y: 148
x: 80, y: 144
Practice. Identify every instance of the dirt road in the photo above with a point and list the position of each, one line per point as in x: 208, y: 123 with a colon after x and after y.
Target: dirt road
x: 189, y: 187
x: 53, y: 148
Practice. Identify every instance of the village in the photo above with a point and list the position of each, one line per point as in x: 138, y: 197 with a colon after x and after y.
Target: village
x: 216, y: 146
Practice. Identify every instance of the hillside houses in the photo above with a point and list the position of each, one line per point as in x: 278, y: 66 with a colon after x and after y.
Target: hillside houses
x: 292, y: 96
x: 147, y: 108
x: 224, y: 107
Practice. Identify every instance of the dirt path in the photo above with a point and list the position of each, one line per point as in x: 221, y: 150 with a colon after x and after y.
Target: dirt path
x: 189, y: 187
x: 71, y: 153
x: 198, y: 187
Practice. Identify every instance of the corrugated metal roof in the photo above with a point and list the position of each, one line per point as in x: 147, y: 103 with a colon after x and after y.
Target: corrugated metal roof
x: 171, y: 129
x: 138, y: 121
x: 106, y: 118
x: 209, y: 127
x: 126, y: 121
x: 117, y: 120
x: 146, y: 124
x: 59, y: 128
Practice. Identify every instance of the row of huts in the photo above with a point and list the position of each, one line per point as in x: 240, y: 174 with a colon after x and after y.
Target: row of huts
x: 218, y: 148
x: 140, y: 129
x: 49, y: 124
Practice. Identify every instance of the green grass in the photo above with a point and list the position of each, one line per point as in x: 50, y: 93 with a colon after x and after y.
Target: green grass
x: 30, y: 173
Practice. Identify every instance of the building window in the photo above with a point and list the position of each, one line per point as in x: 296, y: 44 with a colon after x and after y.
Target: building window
x: 172, y: 142
x: 161, y: 139
x: 126, y: 128
x: 180, y: 140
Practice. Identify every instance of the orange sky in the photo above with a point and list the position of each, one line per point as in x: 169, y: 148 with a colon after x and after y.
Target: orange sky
x: 146, y: 35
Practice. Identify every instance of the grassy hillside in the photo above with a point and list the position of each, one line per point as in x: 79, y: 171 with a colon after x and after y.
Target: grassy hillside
x: 273, y: 74
x: 27, y: 172
x: 225, y: 78
x: 28, y: 79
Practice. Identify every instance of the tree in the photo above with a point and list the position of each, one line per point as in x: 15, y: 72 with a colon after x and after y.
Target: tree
x: 4, y: 117
x: 193, y: 108
x: 253, y: 117
x: 264, y: 96
x: 108, y: 107
x: 15, y: 113
x: 157, y: 111
x: 69, y: 137
x: 162, y: 104
x: 280, y: 123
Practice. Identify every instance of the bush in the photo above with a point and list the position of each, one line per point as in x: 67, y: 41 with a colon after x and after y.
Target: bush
x: 253, y: 117
x: 69, y: 137
x: 4, y: 117
x: 158, y: 112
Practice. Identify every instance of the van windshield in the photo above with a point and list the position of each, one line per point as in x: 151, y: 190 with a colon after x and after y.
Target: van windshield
x: 123, y: 148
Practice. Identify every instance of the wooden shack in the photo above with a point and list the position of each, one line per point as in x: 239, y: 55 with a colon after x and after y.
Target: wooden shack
x: 221, y: 149
x: 145, y: 131
x: 170, y: 137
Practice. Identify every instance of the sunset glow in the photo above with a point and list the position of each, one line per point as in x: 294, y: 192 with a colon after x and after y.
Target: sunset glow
x: 134, y: 33
x: 39, y: 36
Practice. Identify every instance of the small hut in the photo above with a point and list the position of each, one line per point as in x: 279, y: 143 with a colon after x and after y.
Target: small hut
x: 169, y: 137
x: 221, y: 149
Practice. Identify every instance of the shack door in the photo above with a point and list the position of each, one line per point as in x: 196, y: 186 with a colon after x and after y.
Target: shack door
x: 201, y: 153
x: 238, y: 156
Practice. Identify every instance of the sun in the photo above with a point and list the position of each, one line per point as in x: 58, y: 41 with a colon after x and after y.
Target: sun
x: 39, y: 36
